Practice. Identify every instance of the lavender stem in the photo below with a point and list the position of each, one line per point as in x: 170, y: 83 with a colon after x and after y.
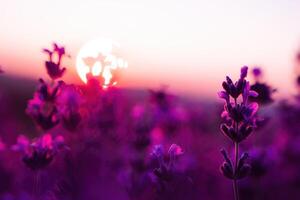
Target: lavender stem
x: 235, y: 186
x: 236, y: 156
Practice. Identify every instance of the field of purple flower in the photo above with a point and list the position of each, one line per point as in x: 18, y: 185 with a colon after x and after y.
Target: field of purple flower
x: 69, y: 142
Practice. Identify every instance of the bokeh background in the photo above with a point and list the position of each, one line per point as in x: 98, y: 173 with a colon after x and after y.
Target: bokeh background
x: 179, y: 53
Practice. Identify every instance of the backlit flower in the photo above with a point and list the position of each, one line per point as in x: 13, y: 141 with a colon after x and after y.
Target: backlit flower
x: 40, y: 152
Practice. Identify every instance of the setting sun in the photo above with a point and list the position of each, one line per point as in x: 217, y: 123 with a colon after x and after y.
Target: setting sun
x: 97, y: 59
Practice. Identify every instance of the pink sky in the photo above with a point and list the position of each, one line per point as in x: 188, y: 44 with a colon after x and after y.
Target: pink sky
x: 189, y: 45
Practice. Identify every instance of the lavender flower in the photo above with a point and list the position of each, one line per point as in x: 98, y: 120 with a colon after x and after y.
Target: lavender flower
x: 39, y: 153
x: 241, y: 122
x: 69, y: 102
x: 142, y: 124
x: 261, y: 160
x: 160, y: 98
x: 264, y: 90
x: 256, y: 72
x: 54, y: 69
x: 164, y: 171
x: 42, y: 108
x: 46, y: 92
x: 227, y: 169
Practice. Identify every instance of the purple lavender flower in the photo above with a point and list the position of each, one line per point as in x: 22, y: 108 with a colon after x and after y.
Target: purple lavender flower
x: 264, y: 90
x: 261, y: 160
x: 46, y: 92
x: 167, y: 116
x: 42, y: 108
x: 160, y: 98
x: 42, y: 113
x: 54, y: 69
x: 241, y: 122
x: 227, y: 169
x: 164, y: 171
x: 234, y: 89
x: 256, y: 72
x: 142, y: 124
x: 69, y: 102
x: 39, y: 153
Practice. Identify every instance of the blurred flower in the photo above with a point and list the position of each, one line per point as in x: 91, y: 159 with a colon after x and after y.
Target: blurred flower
x: 256, y: 72
x: 264, y: 93
x: 68, y: 103
x: 54, y: 69
x: 160, y: 98
x: 264, y: 90
x: 175, y: 150
x: 165, y: 170
x: 42, y: 108
x: 166, y: 115
x: 43, y: 114
x: 142, y: 124
x: 40, y: 152
x: 261, y: 160
x: 46, y: 92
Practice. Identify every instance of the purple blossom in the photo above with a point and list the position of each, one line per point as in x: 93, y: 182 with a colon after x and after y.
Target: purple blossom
x: 47, y: 93
x: 161, y: 99
x: 235, y: 89
x: 241, y: 117
x: 42, y: 108
x: 242, y: 114
x: 158, y: 152
x: 261, y: 160
x: 68, y: 103
x: 40, y: 152
x: 175, y: 150
x: 164, y: 171
x: 43, y: 113
x: 263, y: 90
x: 256, y: 72
x: 54, y: 69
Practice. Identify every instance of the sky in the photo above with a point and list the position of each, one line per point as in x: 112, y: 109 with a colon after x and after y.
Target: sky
x: 188, y: 45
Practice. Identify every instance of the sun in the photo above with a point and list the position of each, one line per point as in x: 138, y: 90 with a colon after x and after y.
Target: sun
x: 97, y: 58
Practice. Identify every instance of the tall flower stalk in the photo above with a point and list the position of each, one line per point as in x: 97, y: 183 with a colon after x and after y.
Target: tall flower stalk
x: 240, y: 122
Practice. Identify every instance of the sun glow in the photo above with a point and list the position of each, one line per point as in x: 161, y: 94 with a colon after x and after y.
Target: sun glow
x: 97, y: 59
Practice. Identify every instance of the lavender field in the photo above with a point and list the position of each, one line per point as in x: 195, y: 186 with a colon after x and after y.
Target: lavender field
x: 63, y: 141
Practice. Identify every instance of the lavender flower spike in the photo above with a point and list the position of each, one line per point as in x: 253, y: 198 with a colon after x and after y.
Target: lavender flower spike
x: 39, y: 153
x: 241, y: 121
x: 54, y: 69
x: 165, y: 170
